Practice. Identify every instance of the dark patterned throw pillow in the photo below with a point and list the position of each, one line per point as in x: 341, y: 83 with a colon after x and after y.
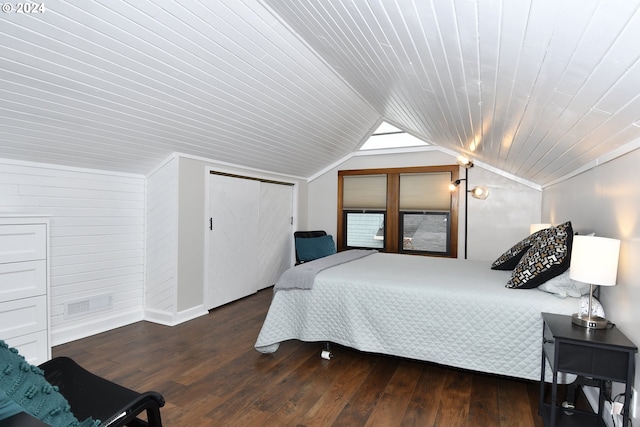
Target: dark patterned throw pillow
x: 511, y: 258
x: 548, y: 257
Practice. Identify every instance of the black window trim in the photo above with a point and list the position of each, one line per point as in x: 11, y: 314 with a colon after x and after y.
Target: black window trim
x: 401, y: 249
x: 363, y: 211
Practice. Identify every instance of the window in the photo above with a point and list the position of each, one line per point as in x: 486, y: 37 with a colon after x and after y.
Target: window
x: 402, y: 210
x: 426, y: 232
x: 425, y: 203
x: 364, y: 206
x: 388, y: 136
x: 365, y: 229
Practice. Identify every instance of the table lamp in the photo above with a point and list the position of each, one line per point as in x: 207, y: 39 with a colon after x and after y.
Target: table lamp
x: 594, y: 260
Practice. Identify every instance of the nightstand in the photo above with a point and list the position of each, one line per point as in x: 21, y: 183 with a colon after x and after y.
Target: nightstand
x: 599, y: 354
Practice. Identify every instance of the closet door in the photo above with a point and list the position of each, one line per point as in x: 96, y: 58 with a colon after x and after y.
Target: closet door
x: 274, y: 254
x: 233, y: 241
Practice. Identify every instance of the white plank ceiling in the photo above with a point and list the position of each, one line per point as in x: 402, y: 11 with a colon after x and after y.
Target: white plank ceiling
x: 536, y: 88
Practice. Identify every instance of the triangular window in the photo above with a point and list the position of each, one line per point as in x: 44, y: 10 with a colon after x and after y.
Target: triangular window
x: 388, y: 136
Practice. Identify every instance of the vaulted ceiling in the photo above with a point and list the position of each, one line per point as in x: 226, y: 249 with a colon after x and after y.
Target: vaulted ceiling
x: 536, y: 88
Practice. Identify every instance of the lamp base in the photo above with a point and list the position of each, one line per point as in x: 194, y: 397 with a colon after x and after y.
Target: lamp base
x: 591, y: 322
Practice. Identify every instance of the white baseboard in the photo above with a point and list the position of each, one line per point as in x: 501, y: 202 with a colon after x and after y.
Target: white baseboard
x: 190, y: 314
x: 87, y: 327
x: 172, y: 319
x: 158, y: 316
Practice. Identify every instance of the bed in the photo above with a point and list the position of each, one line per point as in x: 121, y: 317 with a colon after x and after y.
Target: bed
x: 448, y: 311
x: 467, y: 314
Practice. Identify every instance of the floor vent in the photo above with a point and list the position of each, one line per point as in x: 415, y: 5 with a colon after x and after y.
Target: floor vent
x: 80, y: 307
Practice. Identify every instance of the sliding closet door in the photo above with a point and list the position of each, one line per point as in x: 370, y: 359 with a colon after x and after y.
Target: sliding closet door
x: 233, y: 251
x: 274, y: 254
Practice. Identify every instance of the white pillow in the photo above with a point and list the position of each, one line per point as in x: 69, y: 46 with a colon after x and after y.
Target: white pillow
x: 563, y: 286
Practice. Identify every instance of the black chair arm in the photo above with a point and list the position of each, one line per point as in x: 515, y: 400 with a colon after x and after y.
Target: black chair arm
x: 150, y: 401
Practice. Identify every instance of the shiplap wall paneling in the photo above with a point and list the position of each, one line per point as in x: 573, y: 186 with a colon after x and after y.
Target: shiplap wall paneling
x: 96, y: 241
x: 162, y: 243
x: 85, y: 80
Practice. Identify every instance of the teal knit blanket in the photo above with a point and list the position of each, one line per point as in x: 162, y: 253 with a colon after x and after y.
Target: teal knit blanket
x: 25, y: 385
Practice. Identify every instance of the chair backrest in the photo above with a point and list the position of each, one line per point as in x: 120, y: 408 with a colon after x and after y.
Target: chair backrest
x: 305, y: 235
x: 94, y: 396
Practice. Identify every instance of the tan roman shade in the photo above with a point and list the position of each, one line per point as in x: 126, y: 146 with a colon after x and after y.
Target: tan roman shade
x: 425, y: 191
x: 364, y: 192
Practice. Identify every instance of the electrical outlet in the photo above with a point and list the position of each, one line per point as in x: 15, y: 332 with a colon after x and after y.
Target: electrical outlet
x: 616, y: 409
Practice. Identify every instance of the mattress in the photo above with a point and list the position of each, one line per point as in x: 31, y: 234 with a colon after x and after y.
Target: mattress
x: 448, y: 311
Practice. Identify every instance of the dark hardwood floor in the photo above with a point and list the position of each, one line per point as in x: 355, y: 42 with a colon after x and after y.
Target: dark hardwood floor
x: 210, y: 375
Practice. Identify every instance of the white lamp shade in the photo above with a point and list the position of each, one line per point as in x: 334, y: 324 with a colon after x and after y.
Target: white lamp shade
x: 594, y: 260
x: 537, y: 227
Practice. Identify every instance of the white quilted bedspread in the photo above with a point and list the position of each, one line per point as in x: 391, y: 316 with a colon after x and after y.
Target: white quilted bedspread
x: 448, y: 311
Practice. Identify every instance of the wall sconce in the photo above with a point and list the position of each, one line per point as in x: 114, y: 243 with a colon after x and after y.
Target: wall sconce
x: 454, y: 185
x: 465, y: 162
x: 478, y: 192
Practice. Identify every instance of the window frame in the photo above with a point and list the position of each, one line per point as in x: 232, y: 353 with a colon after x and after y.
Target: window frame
x: 346, y: 212
x: 393, y: 238
x: 402, y: 250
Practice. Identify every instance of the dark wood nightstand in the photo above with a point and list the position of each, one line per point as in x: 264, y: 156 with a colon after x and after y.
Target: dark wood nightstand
x: 600, y: 354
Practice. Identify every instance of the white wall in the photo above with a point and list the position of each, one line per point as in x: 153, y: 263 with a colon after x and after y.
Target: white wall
x: 161, y: 243
x: 192, y: 227
x: 104, y: 224
x: 497, y: 223
x: 494, y: 225
x: 175, y: 241
x: 177, y: 234
x: 606, y: 200
x: 97, y: 239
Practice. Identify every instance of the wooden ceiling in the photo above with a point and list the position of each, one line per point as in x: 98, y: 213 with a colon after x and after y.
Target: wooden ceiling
x: 538, y: 89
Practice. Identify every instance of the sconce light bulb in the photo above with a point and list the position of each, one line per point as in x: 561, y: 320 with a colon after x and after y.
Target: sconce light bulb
x: 480, y: 192
x: 464, y: 161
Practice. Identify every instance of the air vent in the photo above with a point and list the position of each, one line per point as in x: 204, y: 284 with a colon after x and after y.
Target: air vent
x: 85, y: 306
